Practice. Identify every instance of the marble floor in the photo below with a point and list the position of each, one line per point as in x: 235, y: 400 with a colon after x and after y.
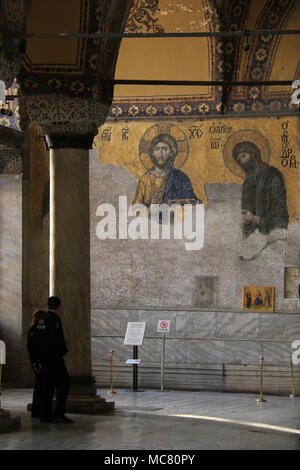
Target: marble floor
x: 169, y: 420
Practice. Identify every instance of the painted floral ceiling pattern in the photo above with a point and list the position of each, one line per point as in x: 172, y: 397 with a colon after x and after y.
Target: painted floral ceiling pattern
x: 144, y: 17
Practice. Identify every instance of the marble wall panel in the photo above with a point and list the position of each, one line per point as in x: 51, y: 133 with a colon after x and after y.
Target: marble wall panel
x: 175, y: 351
x: 150, y: 351
x: 280, y: 327
x: 106, y: 322
x: 101, y: 347
x: 223, y: 352
x: 185, y: 324
x: 152, y: 317
x: 238, y: 325
x: 277, y: 352
x: 196, y: 325
x: 195, y: 338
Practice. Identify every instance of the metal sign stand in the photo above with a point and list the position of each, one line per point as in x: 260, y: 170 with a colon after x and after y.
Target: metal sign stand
x: 163, y: 327
x: 163, y: 354
x: 134, y: 336
x: 135, y: 366
x: 135, y: 370
x: 111, y: 391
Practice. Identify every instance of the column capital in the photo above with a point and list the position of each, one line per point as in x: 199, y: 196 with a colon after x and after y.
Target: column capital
x: 68, y: 140
x: 66, y: 122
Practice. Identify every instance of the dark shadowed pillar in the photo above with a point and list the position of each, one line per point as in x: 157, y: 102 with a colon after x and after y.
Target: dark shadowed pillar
x: 69, y: 142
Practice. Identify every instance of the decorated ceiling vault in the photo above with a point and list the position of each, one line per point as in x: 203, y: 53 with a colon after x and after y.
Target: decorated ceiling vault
x: 266, y: 58
x: 62, y: 69
x: 70, y: 66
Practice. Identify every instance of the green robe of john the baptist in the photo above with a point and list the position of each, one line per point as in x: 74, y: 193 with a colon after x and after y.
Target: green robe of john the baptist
x: 265, y: 195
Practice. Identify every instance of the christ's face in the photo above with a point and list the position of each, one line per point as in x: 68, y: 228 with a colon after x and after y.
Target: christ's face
x: 161, y: 154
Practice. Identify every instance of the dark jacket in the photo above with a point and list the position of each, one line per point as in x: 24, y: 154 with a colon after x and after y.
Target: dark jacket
x: 45, y: 340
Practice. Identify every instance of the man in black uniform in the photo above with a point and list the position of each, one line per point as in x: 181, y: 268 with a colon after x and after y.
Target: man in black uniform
x: 47, y: 346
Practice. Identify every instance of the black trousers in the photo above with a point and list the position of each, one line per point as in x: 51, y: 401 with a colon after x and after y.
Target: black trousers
x: 35, y: 407
x: 53, y: 377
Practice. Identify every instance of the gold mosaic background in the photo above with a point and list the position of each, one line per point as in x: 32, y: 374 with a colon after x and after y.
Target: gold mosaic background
x: 118, y: 144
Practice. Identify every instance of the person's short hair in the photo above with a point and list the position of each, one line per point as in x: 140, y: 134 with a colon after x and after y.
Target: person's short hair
x: 54, y: 302
x: 36, y: 316
x: 167, y: 139
x: 248, y: 147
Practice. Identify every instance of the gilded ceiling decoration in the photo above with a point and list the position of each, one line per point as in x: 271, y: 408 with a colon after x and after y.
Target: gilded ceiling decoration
x: 228, y: 61
x: 80, y: 78
x: 83, y: 76
x: 143, y: 17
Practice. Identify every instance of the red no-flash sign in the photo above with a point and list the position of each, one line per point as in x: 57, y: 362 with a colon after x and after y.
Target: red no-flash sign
x: 163, y: 326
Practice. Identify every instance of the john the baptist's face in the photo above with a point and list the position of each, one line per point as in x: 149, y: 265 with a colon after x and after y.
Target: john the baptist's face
x: 246, y: 161
x: 247, y: 155
x: 161, y: 154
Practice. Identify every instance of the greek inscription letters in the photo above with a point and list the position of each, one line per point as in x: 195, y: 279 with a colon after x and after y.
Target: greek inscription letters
x: 285, y: 138
x: 217, y: 129
x: 288, y: 159
x: 195, y: 131
x: 106, y: 134
x: 125, y: 132
x: 214, y: 144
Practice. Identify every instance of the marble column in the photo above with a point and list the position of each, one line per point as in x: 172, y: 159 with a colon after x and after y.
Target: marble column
x: 70, y: 251
x: 68, y: 142
x: 70, y: 264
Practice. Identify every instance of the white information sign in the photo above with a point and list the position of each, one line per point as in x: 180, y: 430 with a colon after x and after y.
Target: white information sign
x: 135, y: 333
x: 2, y: 352
x: 163, y: 326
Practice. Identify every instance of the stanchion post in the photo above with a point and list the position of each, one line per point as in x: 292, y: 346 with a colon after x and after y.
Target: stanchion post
x: 261, y: 399
x: 111, y: 391
x: 292, y: 395
x: 135, y: 370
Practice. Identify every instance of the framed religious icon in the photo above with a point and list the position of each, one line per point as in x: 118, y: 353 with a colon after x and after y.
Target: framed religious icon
x: 258, y: 298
